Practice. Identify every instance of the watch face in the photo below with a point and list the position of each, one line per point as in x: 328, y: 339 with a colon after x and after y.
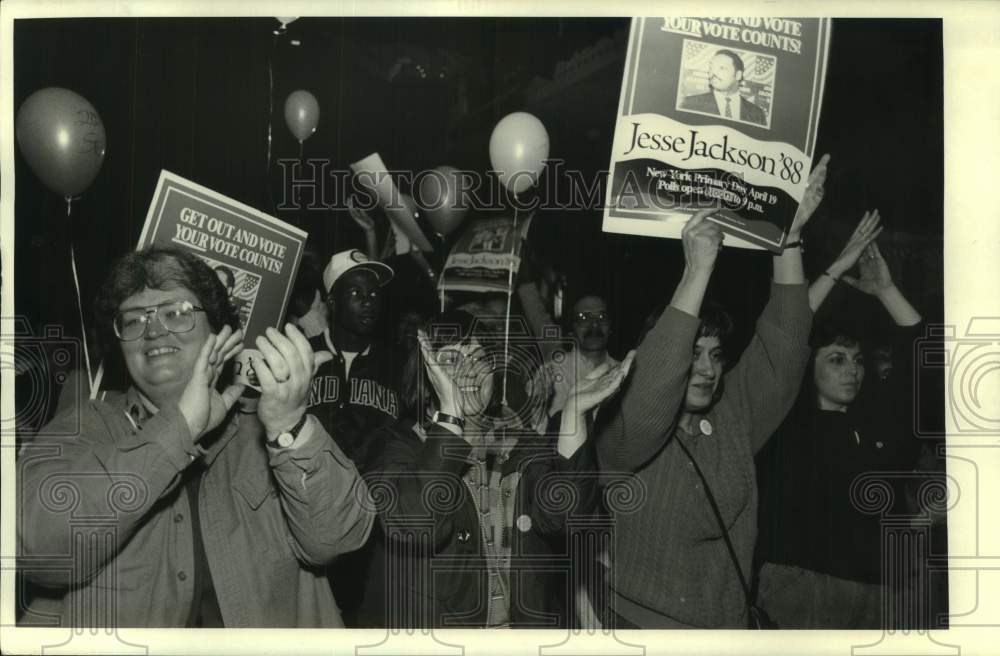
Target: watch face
x: 285, y: 440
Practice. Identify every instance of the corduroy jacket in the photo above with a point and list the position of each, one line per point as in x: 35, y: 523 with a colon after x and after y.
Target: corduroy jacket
x: 105, y: 535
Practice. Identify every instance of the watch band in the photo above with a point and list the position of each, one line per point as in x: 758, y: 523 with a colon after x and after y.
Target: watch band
x: 442, y: 418
x: 801, y: 243
x: 284, y: 439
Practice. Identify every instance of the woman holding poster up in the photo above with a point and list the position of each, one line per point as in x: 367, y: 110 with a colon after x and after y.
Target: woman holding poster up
x: 686, y: 431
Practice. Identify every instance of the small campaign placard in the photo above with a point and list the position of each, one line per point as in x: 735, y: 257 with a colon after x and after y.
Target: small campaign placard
x: 255, y: 256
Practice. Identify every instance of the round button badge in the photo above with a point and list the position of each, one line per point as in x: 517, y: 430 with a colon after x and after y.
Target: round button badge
x: 705, y: 426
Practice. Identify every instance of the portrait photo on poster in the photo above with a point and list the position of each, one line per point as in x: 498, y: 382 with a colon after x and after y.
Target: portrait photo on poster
x: 736, y: 85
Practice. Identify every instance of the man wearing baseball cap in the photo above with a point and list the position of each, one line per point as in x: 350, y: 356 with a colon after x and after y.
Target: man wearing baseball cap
x: 355, y: 393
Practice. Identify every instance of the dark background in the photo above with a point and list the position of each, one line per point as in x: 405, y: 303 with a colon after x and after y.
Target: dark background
x: 193, y: 96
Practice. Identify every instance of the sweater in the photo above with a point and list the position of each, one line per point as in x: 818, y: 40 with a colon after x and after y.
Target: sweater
x: 669, y: 556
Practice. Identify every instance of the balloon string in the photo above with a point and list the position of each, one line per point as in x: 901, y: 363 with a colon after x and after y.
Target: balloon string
x: 79, y: 304
x: 298, y: 190
x: 510, y: 293
x: 270, y: 116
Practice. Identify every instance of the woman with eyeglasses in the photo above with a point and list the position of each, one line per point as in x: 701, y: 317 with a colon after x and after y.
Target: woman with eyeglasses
x: 473, y: 511
x: 200, y: 512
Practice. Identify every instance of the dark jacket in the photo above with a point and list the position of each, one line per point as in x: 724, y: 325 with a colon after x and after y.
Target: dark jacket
x: 812, y: 514
x: 705, y: 102
x: 351, y: 409
x: 430, y: 568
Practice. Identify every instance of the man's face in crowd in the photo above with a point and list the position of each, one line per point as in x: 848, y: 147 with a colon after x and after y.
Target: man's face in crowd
x: 161, y: 362
x: 357, y: 302
x: 591, y: 324
x: 706, y: 372
x: 723, y: 75
x: 838, y: 373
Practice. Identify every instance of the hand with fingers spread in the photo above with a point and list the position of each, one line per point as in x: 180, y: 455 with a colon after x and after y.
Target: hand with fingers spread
x: 813, y: 196
x: 201, y: 403
x: 285, y: 372
x: 875, y: 276
x: 867, y: 230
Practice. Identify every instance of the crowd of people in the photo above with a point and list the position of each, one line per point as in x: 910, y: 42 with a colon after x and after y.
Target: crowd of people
x: 423, y: 482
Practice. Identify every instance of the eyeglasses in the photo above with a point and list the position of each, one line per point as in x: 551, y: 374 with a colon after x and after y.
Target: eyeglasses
x: 600, y: 317
x: 175, y: 316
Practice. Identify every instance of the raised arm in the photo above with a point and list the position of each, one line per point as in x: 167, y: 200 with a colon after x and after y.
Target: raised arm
x: 645, y: 417
x: 788, y: 265
x: 367, y: 225
x: 768, y: 376
x: 867, y: 230
x: 876, y: 280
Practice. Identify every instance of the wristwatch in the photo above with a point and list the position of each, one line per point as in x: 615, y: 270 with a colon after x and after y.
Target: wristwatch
x: 286, y: 438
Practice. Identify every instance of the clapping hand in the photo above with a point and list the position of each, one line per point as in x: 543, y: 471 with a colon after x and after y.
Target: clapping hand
x: 449, y: 396
x: 599, y: 385
x: 201, y: 404
x: 285, y: 374
x: 867, y: 230
x: 875, y: 276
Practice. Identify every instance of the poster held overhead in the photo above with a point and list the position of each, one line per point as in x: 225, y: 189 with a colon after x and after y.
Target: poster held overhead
x: 255, y: 256
x: 482, y: 258
x: 717, y: 112
x: 373, y: 176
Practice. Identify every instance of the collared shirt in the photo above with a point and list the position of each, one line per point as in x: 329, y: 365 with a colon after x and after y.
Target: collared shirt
x: 734, y: 103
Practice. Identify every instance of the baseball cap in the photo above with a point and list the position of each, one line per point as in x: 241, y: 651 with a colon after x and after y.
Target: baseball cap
x: 345, y: 261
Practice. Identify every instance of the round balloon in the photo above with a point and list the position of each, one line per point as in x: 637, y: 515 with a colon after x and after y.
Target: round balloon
x: 62, y: 138
x: 301, y: 114
x: 438, y: 192
x: 519, y: 147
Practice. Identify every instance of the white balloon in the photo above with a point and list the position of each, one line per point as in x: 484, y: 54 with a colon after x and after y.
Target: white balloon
x: 519, y: 147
